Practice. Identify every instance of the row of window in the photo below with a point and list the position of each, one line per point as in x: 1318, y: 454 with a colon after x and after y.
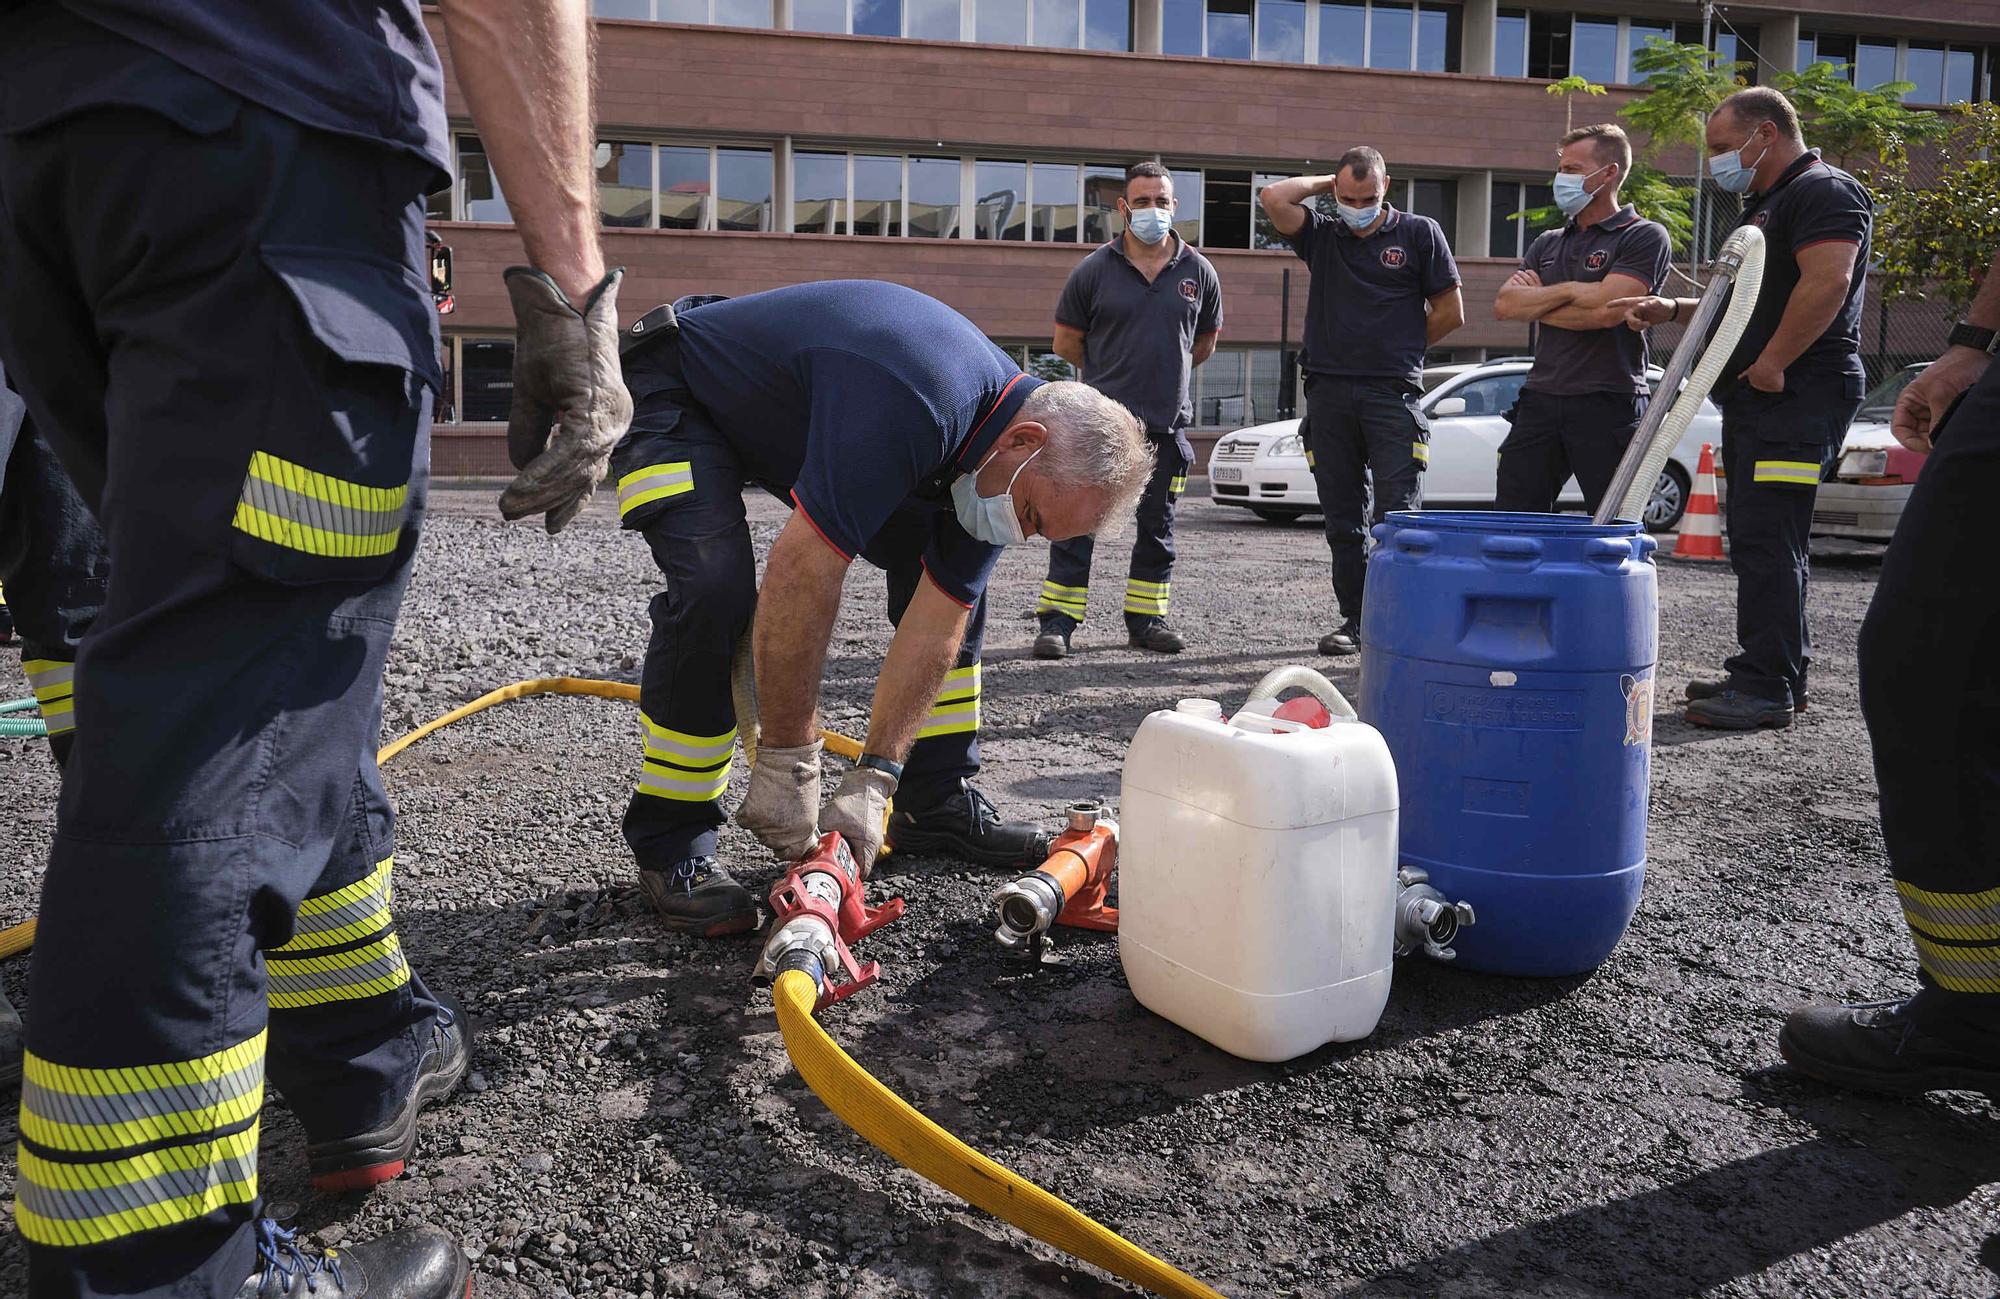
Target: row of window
x: 1425, y: 37
x: 1235, y: 387
x: 647, y: 185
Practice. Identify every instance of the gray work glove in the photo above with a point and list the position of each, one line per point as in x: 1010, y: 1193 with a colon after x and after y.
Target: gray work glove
x: 782, y: 805
x: 566, y: 375
x: 860, y: 811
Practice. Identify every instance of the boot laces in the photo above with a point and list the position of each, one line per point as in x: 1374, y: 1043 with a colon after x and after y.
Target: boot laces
x: 283, y: 1259
x: 979, y: 810
x: 692, y: 872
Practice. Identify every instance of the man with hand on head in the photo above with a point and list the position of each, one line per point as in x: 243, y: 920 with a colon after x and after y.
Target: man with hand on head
x: 1586, y: 394
x: 1384, y: 289
x: 901, y: 435
x: 1135, y: 318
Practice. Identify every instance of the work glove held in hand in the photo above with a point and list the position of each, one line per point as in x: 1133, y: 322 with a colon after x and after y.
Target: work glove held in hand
x: 860, y: 811
x: 566, y: 375
x: 782, y: 805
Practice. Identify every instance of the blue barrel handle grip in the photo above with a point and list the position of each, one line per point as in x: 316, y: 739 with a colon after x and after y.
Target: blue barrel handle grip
x: 1416, y: 541
x: 1511, y: 552
x: 1608, y: 552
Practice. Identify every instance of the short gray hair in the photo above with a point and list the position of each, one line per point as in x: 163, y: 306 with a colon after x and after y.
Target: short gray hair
x: 1095, y: 444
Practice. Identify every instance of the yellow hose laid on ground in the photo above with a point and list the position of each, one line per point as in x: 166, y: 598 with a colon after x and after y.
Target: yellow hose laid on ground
x: 905, y: 1135
x: 19, y: 938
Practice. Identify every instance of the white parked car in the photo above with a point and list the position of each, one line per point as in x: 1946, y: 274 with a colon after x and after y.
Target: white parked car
x: 1263, y: 468
x: 1871, y: 482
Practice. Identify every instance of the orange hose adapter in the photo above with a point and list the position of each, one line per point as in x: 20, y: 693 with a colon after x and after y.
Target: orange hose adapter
x: 1067, y: 889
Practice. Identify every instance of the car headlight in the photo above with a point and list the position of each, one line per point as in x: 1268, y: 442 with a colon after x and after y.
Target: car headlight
x: 1864, y: 464
x: 1292, y: 444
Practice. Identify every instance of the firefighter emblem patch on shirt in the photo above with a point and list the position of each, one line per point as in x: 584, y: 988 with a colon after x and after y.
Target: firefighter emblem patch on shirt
x: 1190, y: 290
x: 1394, y: 257
x: 1595, y: 262
x: 1759, y: 218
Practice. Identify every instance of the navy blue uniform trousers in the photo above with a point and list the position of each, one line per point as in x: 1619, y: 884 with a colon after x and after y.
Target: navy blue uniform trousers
x: 53, y: 569
x: 1775, y: 449
x: 1552, y: 437
x: 1932, y: 701
x: 219, y: 323
x: 1149, y: 584
x: 1367, y: 445
x: 681, y: 487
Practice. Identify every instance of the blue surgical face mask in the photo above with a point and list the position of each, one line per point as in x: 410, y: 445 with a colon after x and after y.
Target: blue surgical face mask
x: 1150, y: 223
x: 1571, y: 196
x: 991, y: 519
x: 1729, y: 171
x: 1358, y: 218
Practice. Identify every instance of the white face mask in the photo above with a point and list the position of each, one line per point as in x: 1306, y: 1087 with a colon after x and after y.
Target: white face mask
x: 991, y: 519
x: 1150, y: 224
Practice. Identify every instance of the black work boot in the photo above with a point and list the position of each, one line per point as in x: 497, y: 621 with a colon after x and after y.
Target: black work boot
x: 1156, y: 636
x: 1878, y: 1047
x: 1732, y: 710
x: 696, y: 896
x: 357, y: 1162
x: 417, y: 1264
x: 967, y: 826
x: 1052, y: 645
x: 10, y: 1046
x: 1344, y: 639
x: 1719, y: 685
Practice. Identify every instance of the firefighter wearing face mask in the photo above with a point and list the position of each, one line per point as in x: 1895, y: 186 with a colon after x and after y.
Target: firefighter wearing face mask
x: 1788, y: 392
x: 1584, y: 398
x: 1135, y: 318
x: 898, y: 434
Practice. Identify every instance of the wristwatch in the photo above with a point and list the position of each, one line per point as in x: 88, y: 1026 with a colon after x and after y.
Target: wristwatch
x: 893, y: 770
x: 1968, y: 335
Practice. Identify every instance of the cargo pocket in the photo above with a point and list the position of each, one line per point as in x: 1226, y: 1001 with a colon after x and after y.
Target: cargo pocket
x: 1420, y: 441
x: 327, y: 496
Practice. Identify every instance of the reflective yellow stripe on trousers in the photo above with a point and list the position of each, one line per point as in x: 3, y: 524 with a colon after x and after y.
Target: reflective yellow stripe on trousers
x: 106, y: 1153
x: 343, y: 947
x: 1147, y: 597
x: 1958, y: 936
x: 54, y: 684
x: 300, y: 509
x: 682, y: 767
x: 1797, y: 473
x: 654, y: 483
x: 957, y: 707
x: 1069, y: 600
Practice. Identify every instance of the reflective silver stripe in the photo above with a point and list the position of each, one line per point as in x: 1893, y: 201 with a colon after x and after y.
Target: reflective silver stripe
x: 43, y: 673
x: 106, y: 1110
x: 362, y: 972
x: 666, y: 781
x: 78, y: 1203
x: 348, y: 520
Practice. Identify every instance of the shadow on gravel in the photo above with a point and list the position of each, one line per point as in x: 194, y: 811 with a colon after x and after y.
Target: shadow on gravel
x: 1873, y: 1161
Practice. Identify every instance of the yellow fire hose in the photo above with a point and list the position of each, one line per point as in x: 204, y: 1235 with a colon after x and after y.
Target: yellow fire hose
x: 905, y: 1135
x: 889, y: 1123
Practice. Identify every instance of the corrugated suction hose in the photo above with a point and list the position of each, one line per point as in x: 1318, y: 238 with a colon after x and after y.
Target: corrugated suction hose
x: 905, y: 1135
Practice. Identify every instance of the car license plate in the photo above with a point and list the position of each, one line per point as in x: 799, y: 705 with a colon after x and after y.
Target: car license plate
x: 1227, y: 475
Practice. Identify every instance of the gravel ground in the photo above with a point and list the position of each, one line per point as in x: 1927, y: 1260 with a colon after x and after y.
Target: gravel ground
x: 633, y: 1127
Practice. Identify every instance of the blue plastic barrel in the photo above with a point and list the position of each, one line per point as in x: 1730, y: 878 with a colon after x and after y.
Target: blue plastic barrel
x: 1508, y: 661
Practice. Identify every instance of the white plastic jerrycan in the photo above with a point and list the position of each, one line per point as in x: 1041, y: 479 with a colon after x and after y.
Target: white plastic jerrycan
x: 1257, y: 873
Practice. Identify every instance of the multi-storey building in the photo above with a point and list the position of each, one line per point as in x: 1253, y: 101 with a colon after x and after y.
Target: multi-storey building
x: 975, y: 148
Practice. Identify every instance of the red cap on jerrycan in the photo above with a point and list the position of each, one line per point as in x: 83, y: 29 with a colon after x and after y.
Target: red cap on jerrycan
x: 1305, y: 709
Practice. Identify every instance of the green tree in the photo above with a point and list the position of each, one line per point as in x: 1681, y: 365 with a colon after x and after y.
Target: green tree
x: 1935, y: 240
x: 1851, y: 125
x: 1683, y: 83
x: 1569, y: 88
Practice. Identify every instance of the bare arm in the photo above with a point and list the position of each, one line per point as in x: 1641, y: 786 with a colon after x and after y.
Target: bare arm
x: 1924, y: 403
x: 1825, y: 272
x: 525, y: 67
x: 1204, y: 346
x: 1590, y: 307
x: 1525, y: 297
x: 1645, y: 312
x: 1284, y: 200
x: 796, y: 607
x: 1069, y: 345
x: 920, y: 654
x: 1447, y: 312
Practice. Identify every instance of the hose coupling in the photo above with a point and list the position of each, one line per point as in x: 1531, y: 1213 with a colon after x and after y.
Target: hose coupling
x: 1028, y: 907
x: 1426, y: 920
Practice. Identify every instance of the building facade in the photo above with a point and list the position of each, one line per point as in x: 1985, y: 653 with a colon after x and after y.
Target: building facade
x: 975, y: 149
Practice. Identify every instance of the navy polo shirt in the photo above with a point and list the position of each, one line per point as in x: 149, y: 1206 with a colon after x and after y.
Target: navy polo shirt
x: 1365, y: 313
x: 858, y: 399
x: 1571, y: 362
x: 1139, y: 334
x: 363, y: 70
x: 1813, y: 202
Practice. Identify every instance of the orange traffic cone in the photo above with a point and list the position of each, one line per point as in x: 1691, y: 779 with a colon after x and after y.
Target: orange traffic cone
x: 1701, y: 526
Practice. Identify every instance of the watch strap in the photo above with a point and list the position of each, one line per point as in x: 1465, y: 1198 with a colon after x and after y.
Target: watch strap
x: 893, y: 770
x: 1964, y: 334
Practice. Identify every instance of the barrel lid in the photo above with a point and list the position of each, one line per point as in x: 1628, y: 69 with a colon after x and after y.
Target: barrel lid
x: 1505, y: 521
